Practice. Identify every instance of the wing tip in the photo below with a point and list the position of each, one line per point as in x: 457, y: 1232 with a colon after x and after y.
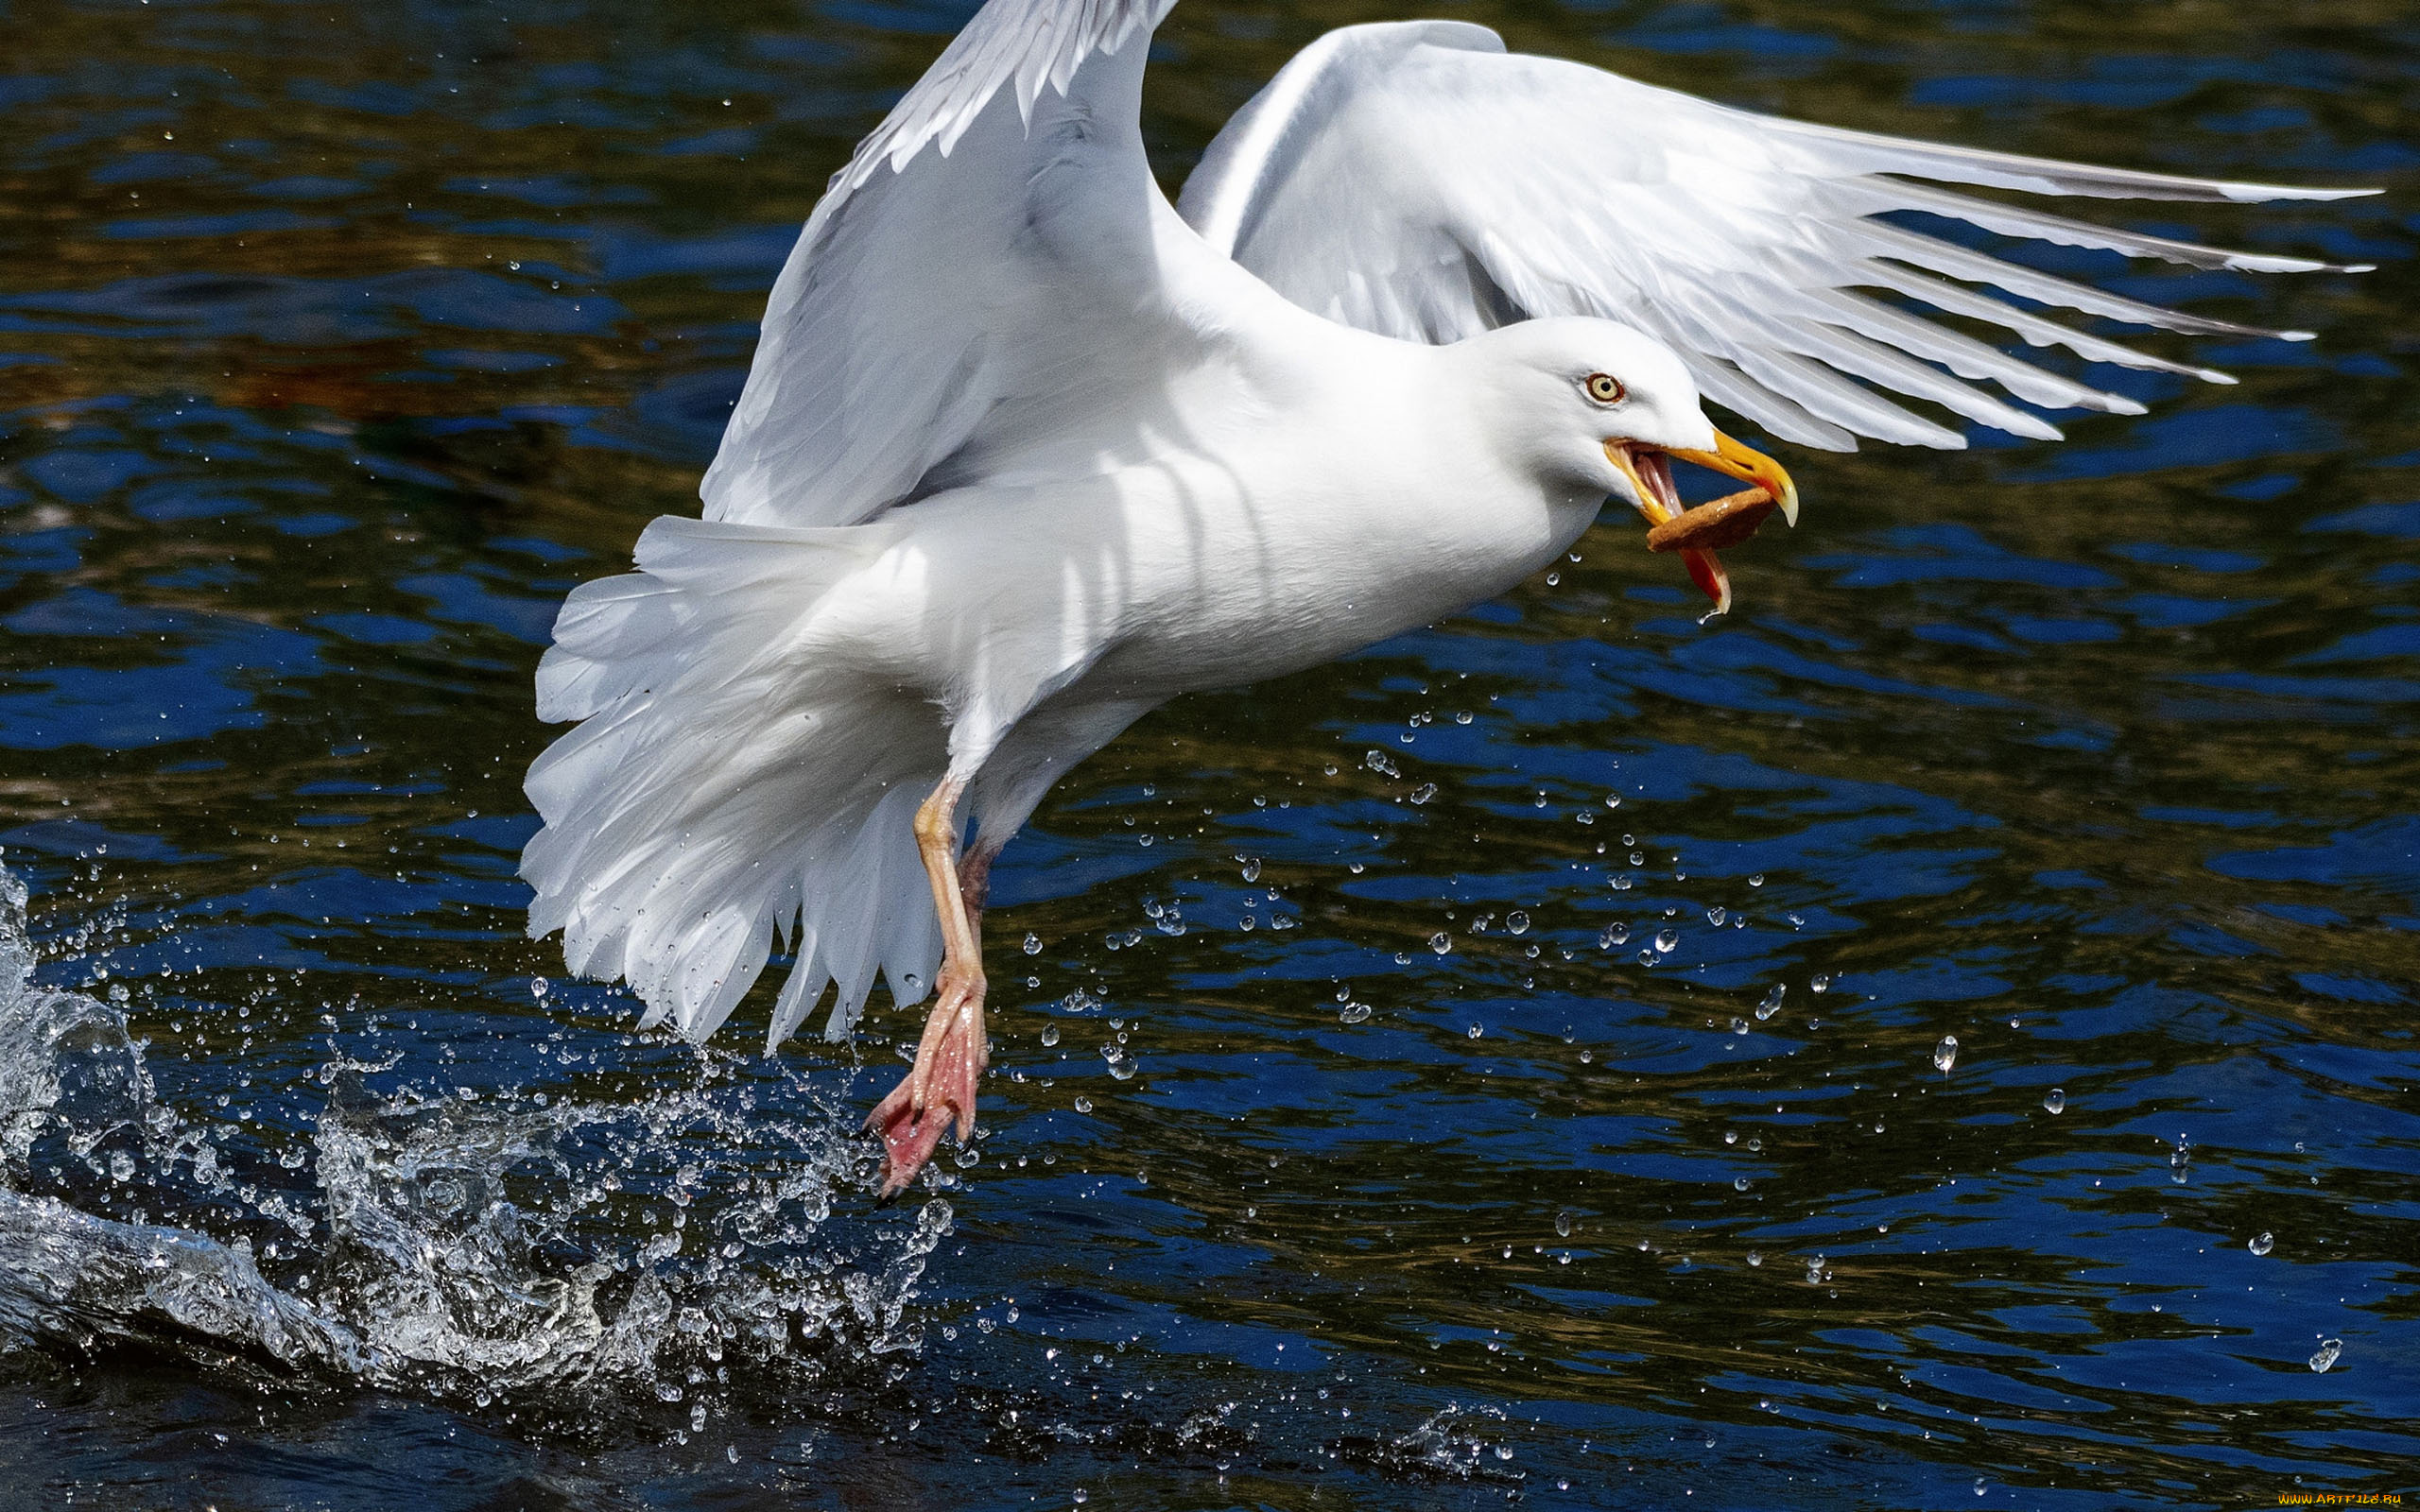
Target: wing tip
x: 2270, y: 263
x: 2254, y: 194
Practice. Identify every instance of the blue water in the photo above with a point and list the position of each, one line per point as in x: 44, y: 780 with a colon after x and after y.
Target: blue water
x: 1382, y: 1117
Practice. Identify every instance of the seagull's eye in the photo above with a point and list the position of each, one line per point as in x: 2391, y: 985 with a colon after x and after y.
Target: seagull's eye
x: 1604, y: 387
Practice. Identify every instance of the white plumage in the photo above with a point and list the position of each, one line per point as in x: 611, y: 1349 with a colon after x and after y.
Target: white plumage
x: 1025, y: 453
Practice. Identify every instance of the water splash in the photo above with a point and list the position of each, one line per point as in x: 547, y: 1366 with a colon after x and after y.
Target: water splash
x: 465, y: 1249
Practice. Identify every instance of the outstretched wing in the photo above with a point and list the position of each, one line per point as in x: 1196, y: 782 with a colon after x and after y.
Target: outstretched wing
x: 983, y: 264
x: 1417, y: 179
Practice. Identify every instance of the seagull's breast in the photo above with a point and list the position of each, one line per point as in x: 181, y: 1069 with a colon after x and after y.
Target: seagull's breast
x: 1257, y: 531
x: 1309, y: 535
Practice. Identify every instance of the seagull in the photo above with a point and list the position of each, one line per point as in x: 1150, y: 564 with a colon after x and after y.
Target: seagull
x: 1026, y: 450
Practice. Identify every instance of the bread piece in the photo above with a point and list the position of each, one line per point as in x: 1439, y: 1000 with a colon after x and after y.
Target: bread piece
x: 1717, y: 522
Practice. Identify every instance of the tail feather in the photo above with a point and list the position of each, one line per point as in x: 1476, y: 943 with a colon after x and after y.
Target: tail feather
x: 736, y: 777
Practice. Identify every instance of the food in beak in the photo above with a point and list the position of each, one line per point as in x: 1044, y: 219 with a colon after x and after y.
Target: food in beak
x: 1724, y: 522
x: 1697, y: 533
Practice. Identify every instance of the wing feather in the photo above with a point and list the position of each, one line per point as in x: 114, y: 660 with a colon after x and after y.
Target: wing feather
x: 996, y: 226
x: 1417, y: 179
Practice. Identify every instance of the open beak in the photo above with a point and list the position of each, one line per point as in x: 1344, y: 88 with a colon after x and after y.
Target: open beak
x: 1649, y: 470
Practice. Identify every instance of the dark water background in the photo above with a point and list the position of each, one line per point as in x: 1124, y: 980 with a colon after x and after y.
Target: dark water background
x: 337, y: 341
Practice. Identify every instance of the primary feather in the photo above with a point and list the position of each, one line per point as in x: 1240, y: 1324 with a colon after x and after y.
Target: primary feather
x: 1415, y: 179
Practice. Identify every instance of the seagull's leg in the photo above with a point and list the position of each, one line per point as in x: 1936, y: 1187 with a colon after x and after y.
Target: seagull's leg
x: 950, y: 1057
x: 1016, y: 772
x: 975, y: 881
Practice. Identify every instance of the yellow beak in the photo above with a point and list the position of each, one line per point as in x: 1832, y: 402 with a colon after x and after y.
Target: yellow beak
x: 1660, y: 503
x: 1748, y: 465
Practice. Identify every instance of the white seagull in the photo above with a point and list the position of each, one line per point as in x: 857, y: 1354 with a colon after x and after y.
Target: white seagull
x: 1027, y: 450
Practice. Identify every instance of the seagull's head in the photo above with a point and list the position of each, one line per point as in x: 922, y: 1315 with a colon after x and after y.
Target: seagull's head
x: 1596, y: 408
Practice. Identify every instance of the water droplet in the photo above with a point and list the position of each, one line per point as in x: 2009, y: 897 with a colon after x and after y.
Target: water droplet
x: 1822, y: 983
x: 1667, y: 941
x: 1517, y: 921
x: 1730, y: 1136
x: 1740, y: 1185
x: 1638, y: 858
x: 2262, y: 1245
x: 2055, y: 1100
x: 1616, y: 933
x: 538, y: 987
x: 1716, y: 916
x: 2329, y: 1351
x: 1478, y: 1029
x: 1081, y: 1496
x: 1441, y: 942
x: 1033, y: 944
x: 1944, y: 1055
x: 1755, y: 879
x: 1612, y: 801
x: 1755, y: 1256
x: 1049, y: 1034
x: 1646, y: 957
x: 1378, y: 760
x: 1084, y: 1105
x: 121, y: 1166
x: 1771, y: 1003
x: 1738, y: 1026
x: 1563, y: 1223
x: 1252, y: 868
x: 1424, y: 792
x: 1354, y: 1013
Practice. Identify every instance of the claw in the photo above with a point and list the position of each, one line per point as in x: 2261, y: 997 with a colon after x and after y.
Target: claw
x: 939, y: 1091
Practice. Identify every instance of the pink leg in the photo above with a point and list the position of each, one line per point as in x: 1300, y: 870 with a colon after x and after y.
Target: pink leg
x: 974, y: 882
x: 940, y: 1088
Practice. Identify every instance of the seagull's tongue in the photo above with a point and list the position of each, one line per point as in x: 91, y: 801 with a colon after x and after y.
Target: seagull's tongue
x: 1705, y: 570
x: 1657, y: 470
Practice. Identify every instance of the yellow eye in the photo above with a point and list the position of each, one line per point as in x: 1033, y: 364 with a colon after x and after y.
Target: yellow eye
x: 1604, y: 387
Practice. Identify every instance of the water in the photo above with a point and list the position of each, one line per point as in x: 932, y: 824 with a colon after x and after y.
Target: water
x: 336, y: 344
